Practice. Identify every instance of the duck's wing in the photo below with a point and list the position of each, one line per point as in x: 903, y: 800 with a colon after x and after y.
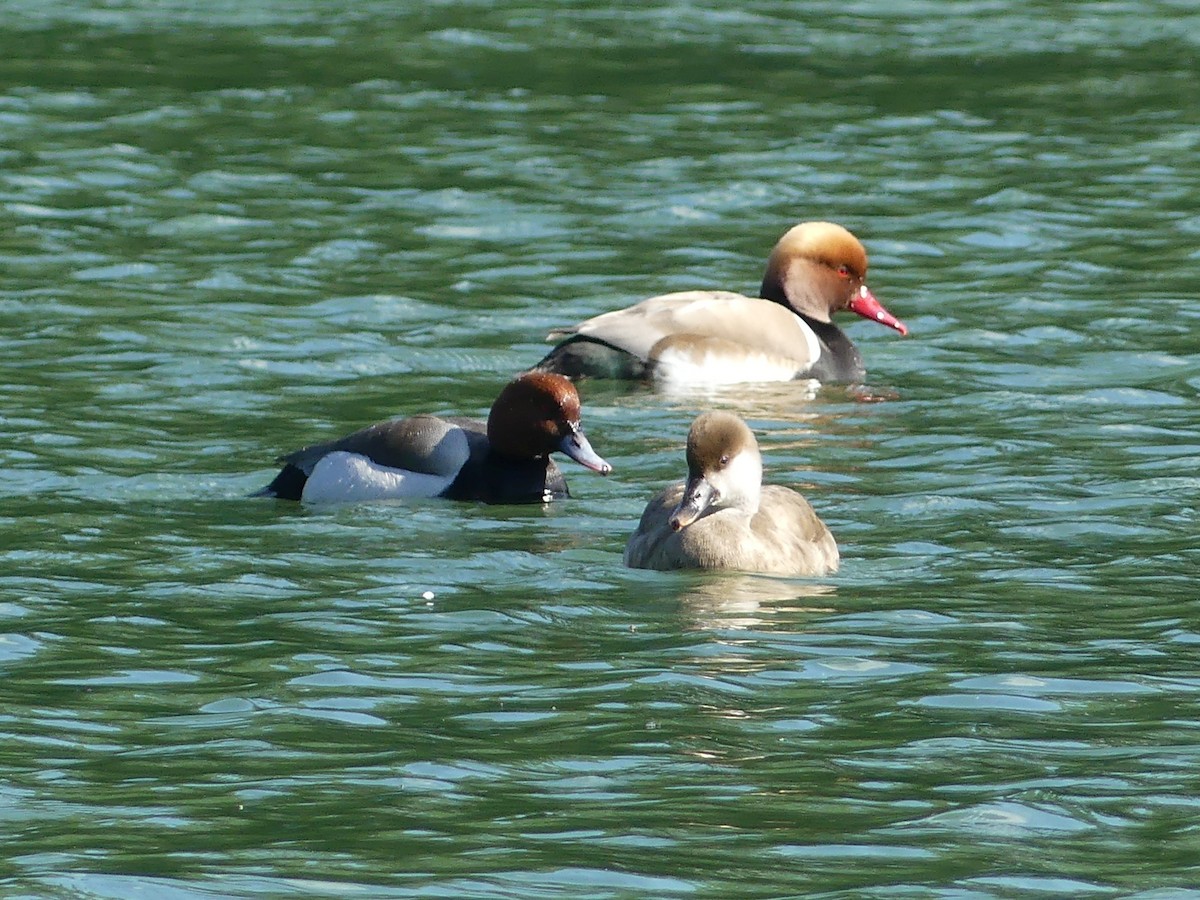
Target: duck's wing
x: 691, y: 317
x: 424, y: 444
x: 791, y: 536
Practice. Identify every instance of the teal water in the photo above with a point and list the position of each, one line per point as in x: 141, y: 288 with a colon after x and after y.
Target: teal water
x: 229, y: 231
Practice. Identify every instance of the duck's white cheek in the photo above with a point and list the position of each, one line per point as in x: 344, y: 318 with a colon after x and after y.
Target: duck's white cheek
x: 341, y: 477
x: 741, y: 481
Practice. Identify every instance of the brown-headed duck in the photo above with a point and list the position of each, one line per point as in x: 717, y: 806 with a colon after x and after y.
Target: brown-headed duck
x: 723, y: 517
x: 719, y: 337
x: 505, y: 461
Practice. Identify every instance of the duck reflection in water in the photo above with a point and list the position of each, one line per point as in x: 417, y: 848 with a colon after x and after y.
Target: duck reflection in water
x: 733, y: 600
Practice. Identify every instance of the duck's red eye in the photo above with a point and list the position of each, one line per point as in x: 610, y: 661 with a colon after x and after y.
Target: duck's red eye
x: 843, y: 271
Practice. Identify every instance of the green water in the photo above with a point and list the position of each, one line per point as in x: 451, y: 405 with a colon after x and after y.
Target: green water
x: 231, y: 229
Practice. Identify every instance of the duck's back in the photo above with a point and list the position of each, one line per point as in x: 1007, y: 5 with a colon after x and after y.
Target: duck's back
x: 785, y: 537
x: 761, y: 324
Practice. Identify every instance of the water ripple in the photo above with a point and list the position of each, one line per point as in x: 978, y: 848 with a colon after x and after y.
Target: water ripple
x: 239, y: 228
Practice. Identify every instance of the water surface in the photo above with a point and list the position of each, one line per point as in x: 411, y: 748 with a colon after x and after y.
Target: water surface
x: 230, y: 231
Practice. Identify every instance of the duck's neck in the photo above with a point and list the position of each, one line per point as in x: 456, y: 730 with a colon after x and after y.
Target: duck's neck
x: 772, y: 289
x: 744, y: 488
x: 840, y: 359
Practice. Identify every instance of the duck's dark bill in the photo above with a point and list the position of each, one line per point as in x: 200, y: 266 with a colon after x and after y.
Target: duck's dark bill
x: 697, y: 495
x: 576, y: 446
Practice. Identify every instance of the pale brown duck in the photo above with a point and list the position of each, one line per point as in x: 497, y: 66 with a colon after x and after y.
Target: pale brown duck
x: 723, y: 517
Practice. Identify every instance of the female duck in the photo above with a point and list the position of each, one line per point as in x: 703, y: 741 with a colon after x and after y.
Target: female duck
x: 723, y: 517
x: 719, y: 337
x: 505, y: 461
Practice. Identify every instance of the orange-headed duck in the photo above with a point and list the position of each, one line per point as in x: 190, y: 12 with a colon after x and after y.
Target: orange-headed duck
x: 723, y: 517
x: 505, y: 461
x: 719, y: 337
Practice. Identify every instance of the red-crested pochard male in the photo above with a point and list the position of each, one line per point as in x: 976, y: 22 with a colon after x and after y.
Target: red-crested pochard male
x: 505, y: 461
x: 723, y: 517
x: 719, y: 337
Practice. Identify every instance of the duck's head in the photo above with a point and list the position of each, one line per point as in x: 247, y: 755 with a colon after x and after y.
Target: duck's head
x: 818, y: 269
x: 536, y: 414
x: 724, y: 468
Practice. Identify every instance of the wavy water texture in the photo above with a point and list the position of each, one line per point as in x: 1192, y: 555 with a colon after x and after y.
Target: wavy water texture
x: 233, y: 229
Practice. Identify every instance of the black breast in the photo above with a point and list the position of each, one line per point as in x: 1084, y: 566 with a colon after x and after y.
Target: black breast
x: 492, y: 478
x: 839, y: 360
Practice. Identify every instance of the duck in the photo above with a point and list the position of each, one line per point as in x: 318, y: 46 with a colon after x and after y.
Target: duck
x: 816, y: 269
x: 506, y: 460
x: 724, y: 517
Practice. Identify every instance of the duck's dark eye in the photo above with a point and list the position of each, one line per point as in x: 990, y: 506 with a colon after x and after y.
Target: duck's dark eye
x: 723, y: 461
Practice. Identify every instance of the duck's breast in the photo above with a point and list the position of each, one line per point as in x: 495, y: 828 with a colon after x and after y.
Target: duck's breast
x: 714, y: 541
x: 720, y: 539
x: 490, y: 478
x: 654, y: 544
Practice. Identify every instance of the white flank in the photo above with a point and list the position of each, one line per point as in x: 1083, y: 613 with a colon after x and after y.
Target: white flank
x: 341, y: 477
x: 678, y: 368
x: 698, y: 366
